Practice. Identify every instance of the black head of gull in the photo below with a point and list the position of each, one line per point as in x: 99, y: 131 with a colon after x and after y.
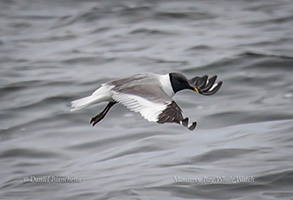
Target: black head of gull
x: 149, y: 94
x: 202, y: 85
x: 179, y: 82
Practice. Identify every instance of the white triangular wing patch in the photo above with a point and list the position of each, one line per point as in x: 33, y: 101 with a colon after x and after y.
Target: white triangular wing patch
x: 148, y: 109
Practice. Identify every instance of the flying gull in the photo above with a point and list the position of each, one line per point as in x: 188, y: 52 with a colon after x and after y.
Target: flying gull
x: 149, y: 94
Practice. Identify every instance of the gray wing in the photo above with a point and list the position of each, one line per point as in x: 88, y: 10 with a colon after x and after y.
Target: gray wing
x: 142, y: 93
x: 144, y: 85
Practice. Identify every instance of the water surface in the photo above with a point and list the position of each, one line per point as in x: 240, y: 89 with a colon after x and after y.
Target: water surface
x: 52, y: 52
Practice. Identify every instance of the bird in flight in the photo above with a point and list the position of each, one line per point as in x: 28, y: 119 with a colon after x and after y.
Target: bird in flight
x: 149, y: 94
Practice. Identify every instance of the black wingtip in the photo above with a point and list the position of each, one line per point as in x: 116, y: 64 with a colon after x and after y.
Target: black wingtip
x: 214, y: 90
x: 192, y: 126
x: 210, y: 83
x: 202, y: 81
x: 184, y: 122
x: 206, y: 86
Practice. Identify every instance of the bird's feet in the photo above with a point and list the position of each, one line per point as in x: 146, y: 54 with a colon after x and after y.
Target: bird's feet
x: 191, y: 127
x: 97, y: 118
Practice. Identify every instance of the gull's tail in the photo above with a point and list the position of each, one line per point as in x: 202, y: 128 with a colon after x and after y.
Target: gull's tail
x: 102, y: 94
x: 83, y: 102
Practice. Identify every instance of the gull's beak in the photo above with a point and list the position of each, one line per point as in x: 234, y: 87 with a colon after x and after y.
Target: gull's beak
x: 195, y: 89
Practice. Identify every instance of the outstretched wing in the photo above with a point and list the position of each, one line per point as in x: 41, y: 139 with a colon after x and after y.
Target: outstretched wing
x: 172, y: 113
x: 148, y: 109
x: 160, y: 111
x: 206, y: 86
x: 145, y: 96
x: 141, y: 93
x: 151, y: 102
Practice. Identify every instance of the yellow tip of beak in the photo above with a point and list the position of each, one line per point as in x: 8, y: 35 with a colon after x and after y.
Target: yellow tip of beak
x: 195, y: 89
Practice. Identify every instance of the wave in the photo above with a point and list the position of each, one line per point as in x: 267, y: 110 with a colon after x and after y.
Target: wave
x: 28, y: 153
x: 183, y: 16
x: 150, y: 32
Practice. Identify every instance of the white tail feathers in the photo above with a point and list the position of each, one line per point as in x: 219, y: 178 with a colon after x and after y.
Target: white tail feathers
x: 102, y: 94
x: 83, y: 102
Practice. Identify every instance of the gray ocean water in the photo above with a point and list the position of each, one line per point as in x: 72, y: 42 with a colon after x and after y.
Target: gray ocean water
x: 53, y: 52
